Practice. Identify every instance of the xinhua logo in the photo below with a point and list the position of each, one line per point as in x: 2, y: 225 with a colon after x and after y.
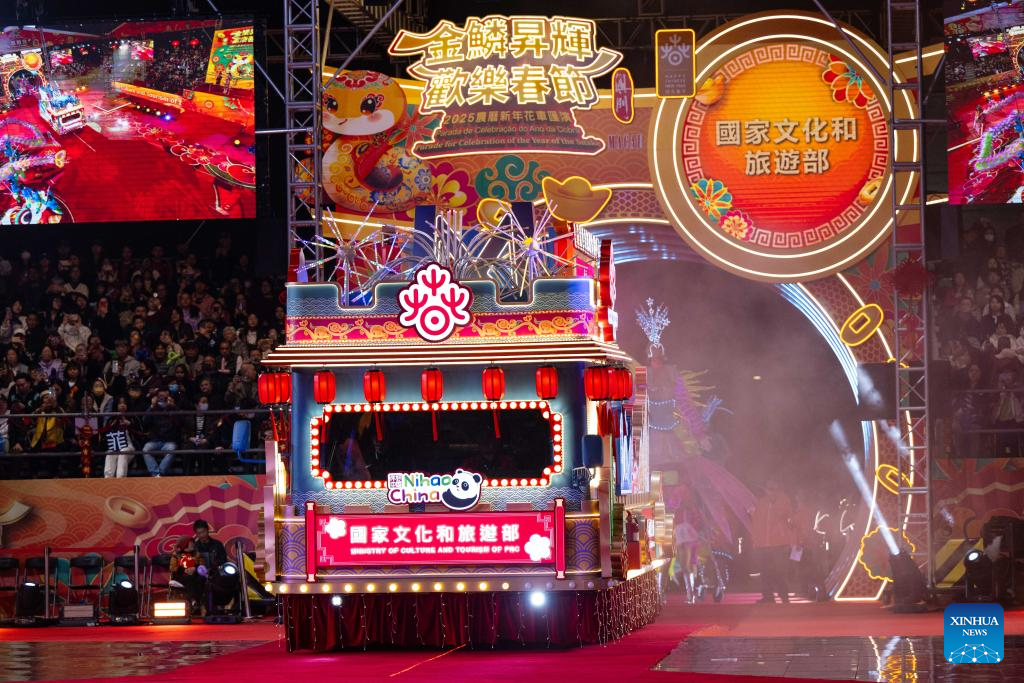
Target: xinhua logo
x: 973, y: 633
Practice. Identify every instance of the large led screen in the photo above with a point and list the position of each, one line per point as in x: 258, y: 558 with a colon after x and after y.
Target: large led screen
x: 129, y: 121
x: 985, y: 105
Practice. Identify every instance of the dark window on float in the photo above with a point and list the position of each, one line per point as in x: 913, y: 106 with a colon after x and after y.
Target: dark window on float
x: 466, y: 439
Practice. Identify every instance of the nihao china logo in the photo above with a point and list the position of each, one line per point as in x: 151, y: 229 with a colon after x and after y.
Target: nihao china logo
x: 973, y: 633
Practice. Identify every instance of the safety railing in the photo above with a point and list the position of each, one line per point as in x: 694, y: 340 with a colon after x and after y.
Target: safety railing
x: 83, y: 437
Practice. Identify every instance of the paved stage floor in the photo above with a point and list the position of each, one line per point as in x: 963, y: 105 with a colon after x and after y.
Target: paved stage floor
x: 733, y: 642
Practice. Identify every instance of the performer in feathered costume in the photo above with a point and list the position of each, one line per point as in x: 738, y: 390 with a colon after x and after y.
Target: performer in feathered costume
x: 708, y: 500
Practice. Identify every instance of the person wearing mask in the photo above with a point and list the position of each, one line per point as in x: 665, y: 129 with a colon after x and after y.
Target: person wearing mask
x: 772, y: 537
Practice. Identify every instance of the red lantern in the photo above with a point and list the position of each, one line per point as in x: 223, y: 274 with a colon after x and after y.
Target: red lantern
x: 494, y: 384
x: 432, y: 385
x: 622, y: 384
x: 494, y: 390
x: 275, y: 387
x: 323, y: 386
x: 374, y: 390
x: 374, y: 386
x: 597, y: 383
x: 547, y: 382
x: 432, y: 388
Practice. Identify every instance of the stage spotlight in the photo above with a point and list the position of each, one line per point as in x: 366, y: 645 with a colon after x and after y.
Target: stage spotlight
x: 538, y: 599
x: 908, y: 584
x: 29, y: 602
x: 224, y: 599
x: 336, y: 600
x: 171, y: 612
x: 979, y: 577
x: 124, y: 603
x: 237, y: 142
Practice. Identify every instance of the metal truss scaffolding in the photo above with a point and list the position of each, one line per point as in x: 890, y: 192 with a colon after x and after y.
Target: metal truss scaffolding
x: 904, y: 29
x: 301, y: 40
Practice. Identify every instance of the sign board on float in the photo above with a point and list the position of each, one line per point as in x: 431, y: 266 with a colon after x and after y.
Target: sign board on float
x: 437, y: 539
x: 674, y: 62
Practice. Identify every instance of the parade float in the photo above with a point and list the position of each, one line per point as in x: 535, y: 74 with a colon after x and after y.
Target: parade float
x: 468, y: 446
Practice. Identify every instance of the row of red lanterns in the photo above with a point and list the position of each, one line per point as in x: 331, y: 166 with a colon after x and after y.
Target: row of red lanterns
x: 275, y: 387
x: 608, y: 383
x: 600, y: 383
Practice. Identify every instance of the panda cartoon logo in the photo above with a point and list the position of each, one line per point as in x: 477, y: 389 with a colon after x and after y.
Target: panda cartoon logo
x: 464, y: 491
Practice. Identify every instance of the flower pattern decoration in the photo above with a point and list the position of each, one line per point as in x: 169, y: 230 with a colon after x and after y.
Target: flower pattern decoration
x: 736, y: 223
x: 452, y: 189
x: 868, y: 278
x: 713, y: 196
x: 847, y: 85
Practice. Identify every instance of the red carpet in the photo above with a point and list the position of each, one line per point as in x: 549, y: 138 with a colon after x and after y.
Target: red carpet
x: 629, y: 659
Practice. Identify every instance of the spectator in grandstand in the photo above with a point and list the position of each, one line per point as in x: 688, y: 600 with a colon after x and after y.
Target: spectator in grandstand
x: 119, y: 433
x: 5, y: 427
x: 50, y: 365
x: 73, y: 332
x: 119, y: 327
x: 163, y: 432
x: 994, y: 315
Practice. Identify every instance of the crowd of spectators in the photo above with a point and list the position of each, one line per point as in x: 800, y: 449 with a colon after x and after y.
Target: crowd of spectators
x: 100, y: 335
x: 962, y: 65
x: 176, y: 68
x: 979, y: 326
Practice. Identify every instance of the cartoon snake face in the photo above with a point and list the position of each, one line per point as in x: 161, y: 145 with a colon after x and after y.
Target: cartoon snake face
x: 360, y: 103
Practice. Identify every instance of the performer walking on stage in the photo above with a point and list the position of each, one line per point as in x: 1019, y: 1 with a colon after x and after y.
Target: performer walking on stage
x: 772, y: 537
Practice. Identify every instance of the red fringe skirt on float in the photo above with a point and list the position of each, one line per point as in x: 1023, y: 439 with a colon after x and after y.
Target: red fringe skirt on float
x: 489, y: 619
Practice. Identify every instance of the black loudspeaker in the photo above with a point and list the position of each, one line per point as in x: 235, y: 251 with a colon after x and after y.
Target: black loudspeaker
x: 876, y: 391
x: 593, y: 451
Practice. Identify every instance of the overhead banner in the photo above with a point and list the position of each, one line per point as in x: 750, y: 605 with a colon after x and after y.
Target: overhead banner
x: 507, y: 83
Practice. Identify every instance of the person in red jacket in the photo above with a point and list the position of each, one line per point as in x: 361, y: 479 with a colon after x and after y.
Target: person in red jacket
x: 772, y: 535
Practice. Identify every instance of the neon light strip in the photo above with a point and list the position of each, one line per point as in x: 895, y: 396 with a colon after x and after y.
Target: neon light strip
x: 806, y: 303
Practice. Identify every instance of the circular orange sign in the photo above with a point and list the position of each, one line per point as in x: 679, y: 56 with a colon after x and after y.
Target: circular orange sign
x: 778, y: 168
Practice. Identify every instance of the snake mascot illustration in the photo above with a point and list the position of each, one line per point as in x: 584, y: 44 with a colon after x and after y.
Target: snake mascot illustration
x: 368, y: 166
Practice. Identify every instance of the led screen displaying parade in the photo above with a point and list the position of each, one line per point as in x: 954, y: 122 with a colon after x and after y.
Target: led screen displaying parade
x: 127, y: 121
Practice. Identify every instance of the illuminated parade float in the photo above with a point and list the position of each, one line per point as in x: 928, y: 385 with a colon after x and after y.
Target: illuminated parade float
x: 465, y: 451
